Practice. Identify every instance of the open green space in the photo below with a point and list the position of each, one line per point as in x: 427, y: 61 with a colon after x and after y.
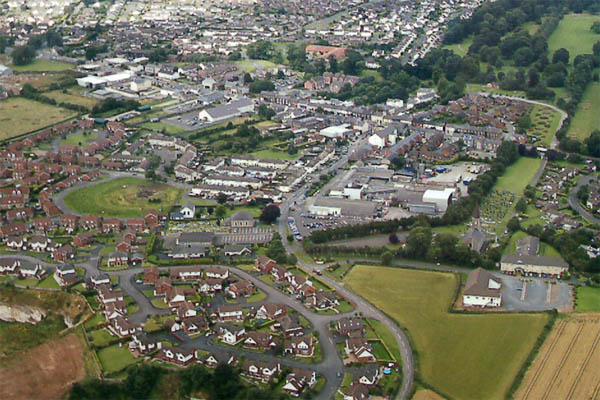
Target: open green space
x: 162, y: 127
x: 587, y: 115
x: 465, y: 356
x: 72, y: 96
x: 461, y: 48
x: 252, y: 65
x: 123, y: 198
x: 517, y: 176
x: 588, y: 299
x: 19, y: 115
x: 40, y: 65
x: 276, y: 154
x: 115, y: 358
x: 79, y: 139
x: 573, y: 33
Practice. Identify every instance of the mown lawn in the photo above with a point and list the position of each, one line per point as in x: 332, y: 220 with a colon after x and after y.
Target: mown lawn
x: 43, y: 66
x: 470, y: 356
x: 587, y: 117
x: 19, y: 115
x: 517, y: 176
x: 123, y: 198
x: 79, y: 139
x: 588, y: 299
x: 115, y: 358
x: 573, y: 33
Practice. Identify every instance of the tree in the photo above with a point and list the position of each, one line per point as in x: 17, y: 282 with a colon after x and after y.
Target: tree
x: 418, y: 242
x: 593, y: 143
x: 248, y: 78
x: 393, y: 238
x: 220, y: 211
x: 265, y: 112
x: 524, y: 122
x: 521, y: 205
x: 222, y: 198
x: 270, y: 214
x: 513, y: 224
x: 261, y: 85
x: 386, y: 258
x: 561, y: 56
x: 596, y: 27
x: 23, y: 55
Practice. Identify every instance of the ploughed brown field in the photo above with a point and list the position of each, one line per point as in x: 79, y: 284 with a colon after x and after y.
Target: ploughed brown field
x: 567, y: 366
x: 43, y: 372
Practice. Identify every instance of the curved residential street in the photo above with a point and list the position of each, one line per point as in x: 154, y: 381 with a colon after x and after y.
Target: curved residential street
x: 576, y: 205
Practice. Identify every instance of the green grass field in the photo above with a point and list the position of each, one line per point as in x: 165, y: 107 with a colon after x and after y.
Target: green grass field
x: 465, y: 356
x: 72, y: 96
x: 275, y: 154
x: 123, y: 198
x: 162, y: 126
x: 115, y: 358
x: 587, y: 117
x: 588, y: 299
x: 461, y: 48
x: 79, y: 139
x: 573, y: 33
x: 252, y: 65
x: 19, y: 115
x: 43, y: 66
x: 517, y: 176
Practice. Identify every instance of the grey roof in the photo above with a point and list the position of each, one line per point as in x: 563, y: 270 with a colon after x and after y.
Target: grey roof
x: 242, y: 215
x: 528, y: 246
x: 478, y: 284
x: 198, y: 237
x: 535, y: 260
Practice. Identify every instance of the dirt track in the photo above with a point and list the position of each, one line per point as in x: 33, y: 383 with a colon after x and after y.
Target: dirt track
x: 43, y: 372
x: 567, y: 364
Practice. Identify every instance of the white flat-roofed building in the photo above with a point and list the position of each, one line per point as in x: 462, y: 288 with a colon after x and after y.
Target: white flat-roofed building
x: 441, y: 198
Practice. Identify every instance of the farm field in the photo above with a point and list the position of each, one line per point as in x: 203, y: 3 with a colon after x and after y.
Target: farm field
x: 454, y: 350
x: 587, y: 117
x: 573, y: 33
x: 588, y: 299
x: 40, y: 65
x: 19, y: 115
x: 72, y: 96
x: 567, y: 365
x: 123, y: 198
x: 43, y: 372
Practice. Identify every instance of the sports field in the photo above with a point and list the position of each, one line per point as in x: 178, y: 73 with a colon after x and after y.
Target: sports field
x: 464, y: 356
x: 19, y: 115
x: 573, y: 33
x: 567, y: 365
x: 123, y: 198
x: 43, y: 66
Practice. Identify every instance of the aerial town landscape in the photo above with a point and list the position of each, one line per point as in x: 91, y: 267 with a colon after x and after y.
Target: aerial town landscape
x: 272, y: 199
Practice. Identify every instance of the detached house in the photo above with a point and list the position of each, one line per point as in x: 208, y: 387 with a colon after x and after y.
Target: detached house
x: 298, y: 380
x: 261, y: 370
x: 177, y: 355
x: 230, y: 333
x: 144, y: 343
x: 301, y: 346
x: 482, y: 289
x: 65, y: 275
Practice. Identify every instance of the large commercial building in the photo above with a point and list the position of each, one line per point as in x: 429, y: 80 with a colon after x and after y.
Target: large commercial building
x: 343, y: 207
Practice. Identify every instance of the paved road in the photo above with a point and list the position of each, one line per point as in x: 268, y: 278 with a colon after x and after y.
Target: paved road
x: 576, y: 205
